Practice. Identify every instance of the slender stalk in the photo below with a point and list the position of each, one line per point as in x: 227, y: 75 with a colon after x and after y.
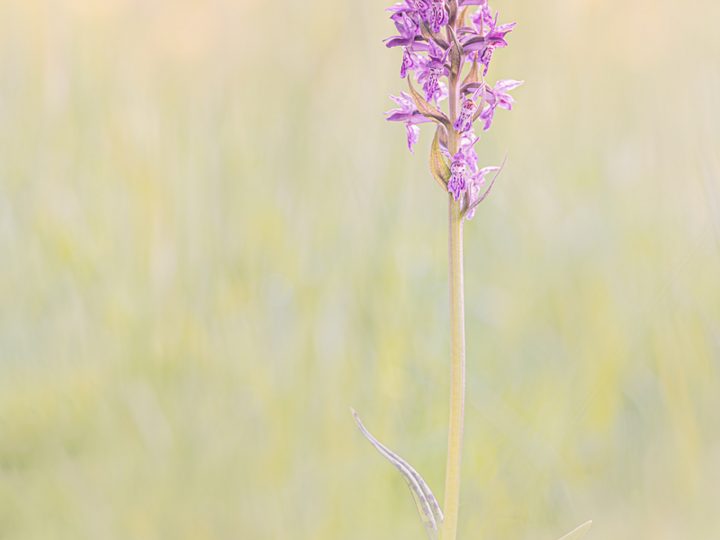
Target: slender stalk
x: 457, y: 373
x: 457, y: 343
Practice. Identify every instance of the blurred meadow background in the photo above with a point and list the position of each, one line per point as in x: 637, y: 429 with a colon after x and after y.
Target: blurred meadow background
x: 212, y: 245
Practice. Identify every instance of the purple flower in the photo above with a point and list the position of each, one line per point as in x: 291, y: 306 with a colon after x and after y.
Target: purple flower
x: 457, y: 182
x: 433, y: 12
x: 430, y: 69
x: 407, y: 21
x: 426, y: 55
x: 462, y: 167
x: 497, y: 97
x: 413, y: 135
x: 408, y: 113
x: 421, y: 6
x: 436, y: 16
x: 487, y: 37
x: 409, y: 62
x: 483, y: 19
x: 487, y: 26
x: 467, y: 110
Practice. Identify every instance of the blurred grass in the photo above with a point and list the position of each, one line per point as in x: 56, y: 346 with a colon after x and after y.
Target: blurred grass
x: 213, y: 245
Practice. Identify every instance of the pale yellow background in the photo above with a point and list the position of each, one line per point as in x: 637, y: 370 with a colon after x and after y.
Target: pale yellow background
x: 212, y: 245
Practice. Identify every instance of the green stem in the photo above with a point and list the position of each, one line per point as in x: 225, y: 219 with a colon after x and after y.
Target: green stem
x: 457, y: 372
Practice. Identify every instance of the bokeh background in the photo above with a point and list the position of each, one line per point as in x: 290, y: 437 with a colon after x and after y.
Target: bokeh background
x: 212, y: 245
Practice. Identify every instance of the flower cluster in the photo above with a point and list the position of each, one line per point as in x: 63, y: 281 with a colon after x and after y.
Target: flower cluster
x: 447, y: 49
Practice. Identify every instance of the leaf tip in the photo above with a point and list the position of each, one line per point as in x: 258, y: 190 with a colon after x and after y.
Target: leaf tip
x: 578, y: 532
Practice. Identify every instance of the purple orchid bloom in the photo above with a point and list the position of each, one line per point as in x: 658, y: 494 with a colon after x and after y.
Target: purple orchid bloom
x: 457, y: 183
x: 487, y: 26
x: 465, y: 116
x: 407, y: 21
x: 421, y: 6
x: 437, y: 15
x: 430, y: 69
x: 487, y: 37
x: 432, y: 12
x: 408, y: 113
x: 483, y: 19
x: 413, y: 135
x: 462, y: 167
x: 498, y: 97
x: 409, y: 62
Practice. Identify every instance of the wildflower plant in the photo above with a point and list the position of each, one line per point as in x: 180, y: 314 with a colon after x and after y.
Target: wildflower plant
x: 447, y: 48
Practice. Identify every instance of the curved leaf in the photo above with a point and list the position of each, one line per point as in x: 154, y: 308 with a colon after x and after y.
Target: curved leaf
x: 425, y: 108
x: 455, y: 53
x: 438, y: 166
x: 426, y: 503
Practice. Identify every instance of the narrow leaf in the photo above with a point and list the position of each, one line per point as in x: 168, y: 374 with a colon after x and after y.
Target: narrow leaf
x: 452, y: 10
x: 425, y: 108
x: 430, y: 35
x: 455, y: 53
x: 578, y: 533
x: 438, y: 166
x: 461, y: 17
x: 427, y: 505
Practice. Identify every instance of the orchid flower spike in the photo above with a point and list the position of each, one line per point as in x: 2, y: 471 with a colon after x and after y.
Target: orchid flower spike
x: 447, y: 49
